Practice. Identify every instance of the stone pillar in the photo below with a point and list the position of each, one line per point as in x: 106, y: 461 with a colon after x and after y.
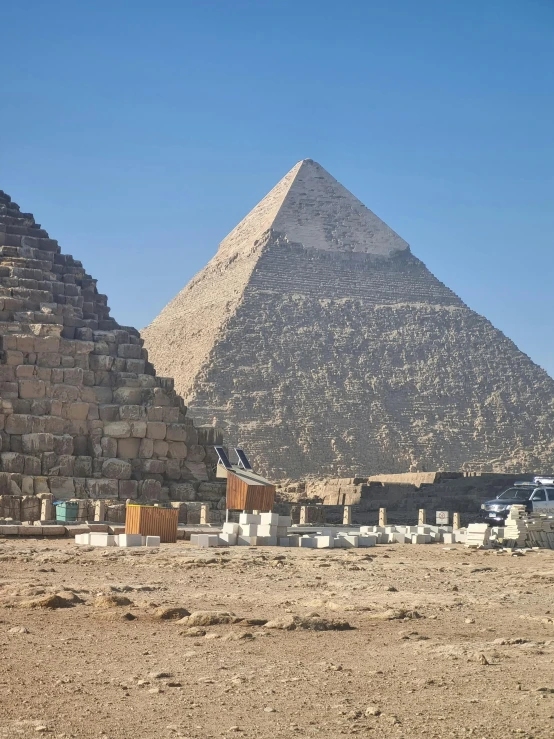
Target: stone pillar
x: 456, y: 521
x: 47, y: 512
x: 303, y: 515
x: 421, y: 517
x: 382, y: 516
x: 99, y: 510
x: 205, y: 513
x: 347, y: 515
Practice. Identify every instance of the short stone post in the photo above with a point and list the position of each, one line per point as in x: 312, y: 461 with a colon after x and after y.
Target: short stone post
x: 456, y: 521
x: 205, y: 513
x: 100, y: 510
x: 347, y: 515
x: 382, y: 516
x: 47, y: 512
x: 303, y: 515
x: 421, y: 517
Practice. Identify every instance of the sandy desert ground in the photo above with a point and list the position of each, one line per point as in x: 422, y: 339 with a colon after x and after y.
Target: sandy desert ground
x: 444, y: 642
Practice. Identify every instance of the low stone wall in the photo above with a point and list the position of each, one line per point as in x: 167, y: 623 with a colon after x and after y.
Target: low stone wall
x: 402, y: 495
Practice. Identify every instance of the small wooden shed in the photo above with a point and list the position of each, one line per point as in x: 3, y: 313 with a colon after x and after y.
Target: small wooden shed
x: 246, y: 490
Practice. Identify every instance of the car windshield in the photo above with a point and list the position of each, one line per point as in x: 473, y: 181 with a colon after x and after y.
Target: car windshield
x: 516, y: 493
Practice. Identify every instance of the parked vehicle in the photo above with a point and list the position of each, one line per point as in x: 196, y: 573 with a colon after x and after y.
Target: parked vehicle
x: 535, y: 498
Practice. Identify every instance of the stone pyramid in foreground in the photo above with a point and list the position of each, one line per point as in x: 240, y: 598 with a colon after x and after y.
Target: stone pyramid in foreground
x: 324, y: 346
x: 83, y: 412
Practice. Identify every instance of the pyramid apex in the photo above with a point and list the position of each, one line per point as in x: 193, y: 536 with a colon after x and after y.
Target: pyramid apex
x: 309, y: 207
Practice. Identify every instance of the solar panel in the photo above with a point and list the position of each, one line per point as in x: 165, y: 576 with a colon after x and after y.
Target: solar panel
x: 243, y: 461
x: 223, y: 458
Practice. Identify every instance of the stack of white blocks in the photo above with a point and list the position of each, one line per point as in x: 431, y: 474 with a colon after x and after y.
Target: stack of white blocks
x: 121, y: 540
x: 414, y: 534
x: 478, y: 535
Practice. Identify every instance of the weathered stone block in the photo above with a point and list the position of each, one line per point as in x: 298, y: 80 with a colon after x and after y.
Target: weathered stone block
x: 128, y: 448
x: 116, y: 469
x: 62, y: 488
x: 132, y: 413
x: 118, y: 429
x: 128, y: 489
x: 12, y: 462
x: 138, y: 429
x: 183, y: 491
x: 102, y: 488
x: 32, y: 388
x: 83, y: 466
x: 160, y: 448
x: 109, y: 446
x: 63, y: 444
x: 176, y: 432
x: 129, y: 351
x: 177, y: 450
x: 77, y: 411
x: 150, y: 490
x: 156, y: 430
x: 196, y: 453
x: 146, y: 449
x: 36, y: 443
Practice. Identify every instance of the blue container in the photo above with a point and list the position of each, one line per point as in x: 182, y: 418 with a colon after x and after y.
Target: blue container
x: 66, y: 511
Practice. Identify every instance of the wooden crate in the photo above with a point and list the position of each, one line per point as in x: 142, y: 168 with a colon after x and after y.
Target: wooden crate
x: 152, y: 521
x: 248, y: 492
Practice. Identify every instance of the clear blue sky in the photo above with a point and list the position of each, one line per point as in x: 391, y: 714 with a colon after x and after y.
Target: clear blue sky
x: 140, y: 133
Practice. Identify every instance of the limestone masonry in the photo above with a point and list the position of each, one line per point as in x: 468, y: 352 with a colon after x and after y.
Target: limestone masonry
x: 324, y: 346
x: 83, y: 413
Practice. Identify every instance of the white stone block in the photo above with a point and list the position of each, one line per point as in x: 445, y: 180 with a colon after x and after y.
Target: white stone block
x: 82, y: 538
x: 369, y: 540
x: 307, y: 541
x: 282, y: 530
x: 267, y: 541
x: 323, y: 542
x: 154, y: 541
x: 420, y: 539
x: 283, y: 541
x: 423, y: 529
x: 401, y: 538
x: 129, y: 540
x: 204, y: 540
x: 247, y: 541
x: 284, y: 521
x: 249, y: 529
x: 269, y: 519
x: 230, y: 528
x: 448, y: 539
x: 266, y: 530
x: 339, y: 541
x: 229, y: 538
x: 294, y: 541
x: 102, y: 540
x: 247, y: 518
x: 351, y: 540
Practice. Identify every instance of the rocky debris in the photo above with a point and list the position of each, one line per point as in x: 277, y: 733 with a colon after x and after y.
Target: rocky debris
x: 111, y: 601
x: 310, y: 623
x: 209, y: 618
x: 47, y: 601
x: 170, y: 613
x: 392, y: 614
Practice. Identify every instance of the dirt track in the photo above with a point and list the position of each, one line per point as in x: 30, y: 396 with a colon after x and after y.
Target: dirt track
x: 473, y: 655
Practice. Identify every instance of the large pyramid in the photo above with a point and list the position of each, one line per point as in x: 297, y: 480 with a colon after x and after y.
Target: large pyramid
x: 324, y: 346
x: 83, y: 413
